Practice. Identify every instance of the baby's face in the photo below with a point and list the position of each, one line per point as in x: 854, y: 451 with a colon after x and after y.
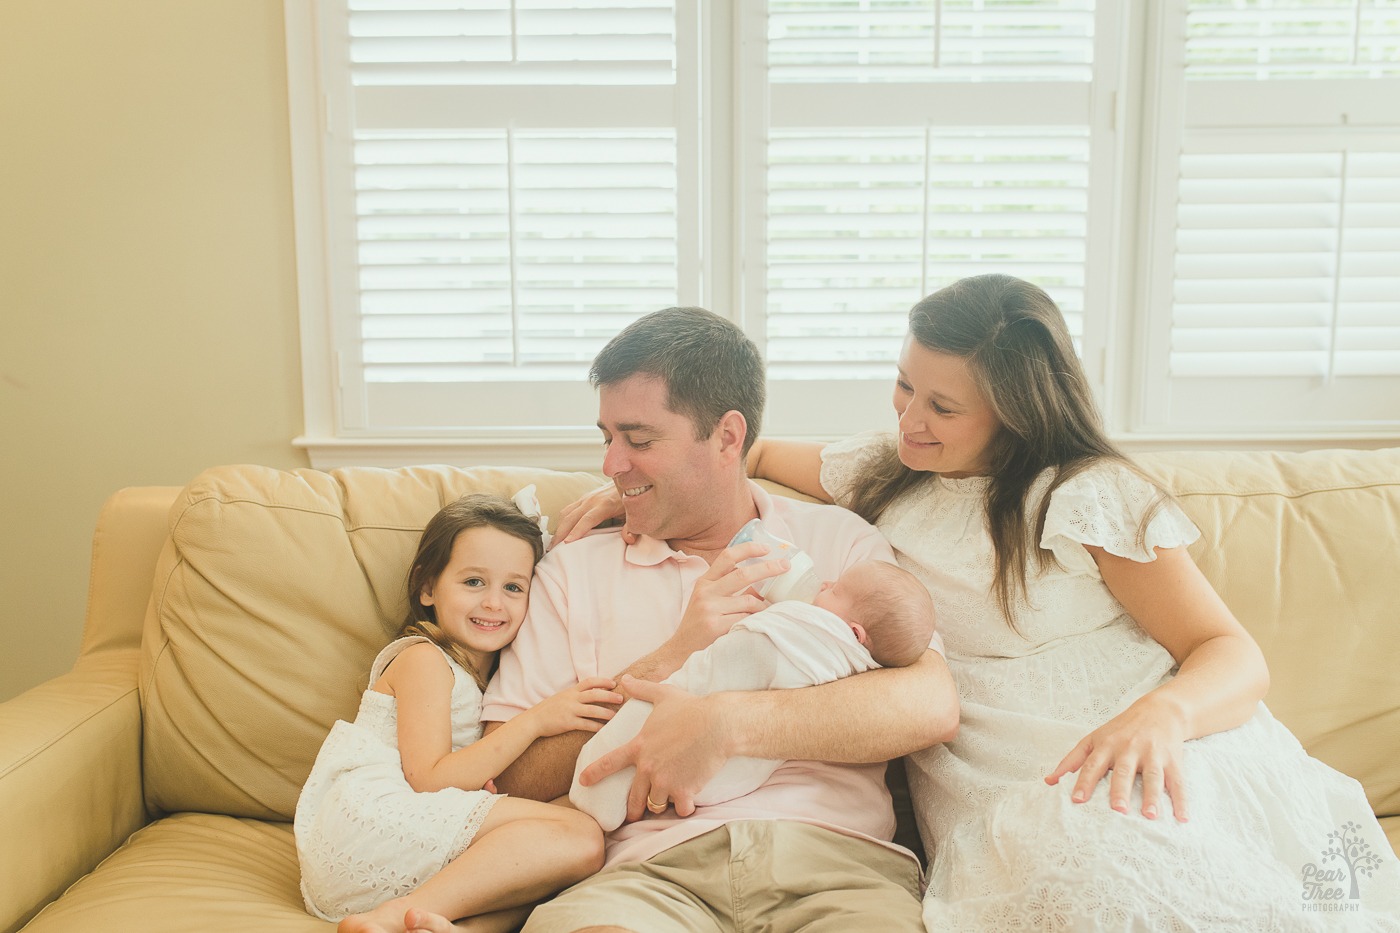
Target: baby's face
x: 840, y: 596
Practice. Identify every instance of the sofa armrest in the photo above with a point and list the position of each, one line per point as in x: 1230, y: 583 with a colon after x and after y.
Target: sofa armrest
x: 70, y: 779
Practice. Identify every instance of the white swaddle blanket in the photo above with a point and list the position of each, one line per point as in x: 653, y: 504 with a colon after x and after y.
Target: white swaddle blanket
x: 790, y: 644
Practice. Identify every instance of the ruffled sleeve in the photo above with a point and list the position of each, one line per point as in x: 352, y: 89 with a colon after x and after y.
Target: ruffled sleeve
x: 843, y: 463
x: 1104, y: 506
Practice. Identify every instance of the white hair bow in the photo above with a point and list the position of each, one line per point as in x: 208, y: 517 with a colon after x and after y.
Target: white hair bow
x: 529, y: 503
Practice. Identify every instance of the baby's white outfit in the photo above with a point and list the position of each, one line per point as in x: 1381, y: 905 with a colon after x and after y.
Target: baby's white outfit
x: 363, y: 834
x: 790, y: 644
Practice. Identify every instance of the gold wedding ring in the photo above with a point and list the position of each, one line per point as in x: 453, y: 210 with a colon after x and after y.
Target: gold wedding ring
x: 655, y: 807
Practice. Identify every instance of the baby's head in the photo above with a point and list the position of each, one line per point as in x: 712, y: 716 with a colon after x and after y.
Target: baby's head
x: 887, y: 608
x: 469, y: 583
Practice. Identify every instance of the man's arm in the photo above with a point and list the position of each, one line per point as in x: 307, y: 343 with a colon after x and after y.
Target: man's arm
x: 546, y: 769
x: 874, y: 716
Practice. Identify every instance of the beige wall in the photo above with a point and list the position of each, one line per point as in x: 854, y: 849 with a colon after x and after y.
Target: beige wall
x: 148, y: 320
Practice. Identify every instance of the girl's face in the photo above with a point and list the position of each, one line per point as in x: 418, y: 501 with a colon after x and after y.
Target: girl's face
x: 481, y: 595
x: 945, y: 424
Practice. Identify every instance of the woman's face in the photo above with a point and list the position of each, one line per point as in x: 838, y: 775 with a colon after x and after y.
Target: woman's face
x: 945, y: 423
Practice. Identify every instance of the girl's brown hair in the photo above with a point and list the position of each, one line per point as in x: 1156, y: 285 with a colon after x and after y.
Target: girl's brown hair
x: 1019, y: 352
x: 477, y: 510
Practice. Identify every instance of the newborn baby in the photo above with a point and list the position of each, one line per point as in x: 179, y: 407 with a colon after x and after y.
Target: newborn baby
x: 875, y: 614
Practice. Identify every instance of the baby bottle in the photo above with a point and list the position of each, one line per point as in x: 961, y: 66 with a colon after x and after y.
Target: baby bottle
x: 800, y: 582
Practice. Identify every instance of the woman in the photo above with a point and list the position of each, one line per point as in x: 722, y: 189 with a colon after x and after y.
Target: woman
x: 1085, y: 642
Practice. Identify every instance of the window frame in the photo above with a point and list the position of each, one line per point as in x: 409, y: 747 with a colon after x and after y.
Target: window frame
x: 1124, y: 250
x: 1207, y: 114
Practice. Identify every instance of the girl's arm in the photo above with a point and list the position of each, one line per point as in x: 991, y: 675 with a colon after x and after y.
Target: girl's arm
x: 795, y: 464
x: 421, y: 683
x: 1220, y: 681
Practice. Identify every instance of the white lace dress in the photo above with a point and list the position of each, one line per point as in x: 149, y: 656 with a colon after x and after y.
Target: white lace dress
x: 1009, y: 852
x: 363, y: 834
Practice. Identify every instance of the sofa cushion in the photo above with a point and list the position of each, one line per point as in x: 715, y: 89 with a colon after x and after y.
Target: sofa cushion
x: 1305, y: 548
x: 273, y: 595
x: 193, y: 871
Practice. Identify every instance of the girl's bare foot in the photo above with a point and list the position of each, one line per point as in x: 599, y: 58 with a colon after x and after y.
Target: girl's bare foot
x: 422, y: 921
x: 388, y: 917
x: 499, y: 921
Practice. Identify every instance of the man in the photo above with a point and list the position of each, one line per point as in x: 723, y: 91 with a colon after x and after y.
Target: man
x: 681, y: 396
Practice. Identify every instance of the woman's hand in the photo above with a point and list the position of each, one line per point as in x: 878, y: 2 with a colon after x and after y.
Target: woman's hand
x: 677, y: 751
x: 584, y: 707
x: 588, y: 512
x: 1147, y: 738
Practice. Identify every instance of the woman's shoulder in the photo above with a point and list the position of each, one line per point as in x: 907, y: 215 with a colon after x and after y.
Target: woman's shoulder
x: 1109, y: 503
x: 845, y: 461
x: 1107, y: 479
x: 856, y: 449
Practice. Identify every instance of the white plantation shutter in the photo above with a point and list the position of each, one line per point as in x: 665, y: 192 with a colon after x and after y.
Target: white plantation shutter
x: 1277, y: 286
x: 510, y: 182
x: 912, y: 143
x: 1279, y: 39
x: 484, y: 42
x: 512, y: 178
x: 1288, y: 264
x: 863, y: 224
x: 1210, y: 189
x: 922, y: 40
x: 510, y: 255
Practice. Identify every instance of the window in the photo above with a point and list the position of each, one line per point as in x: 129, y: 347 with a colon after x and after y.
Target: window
x: 490, y: 189
x: 1276, y: 279
x: 906, y: 145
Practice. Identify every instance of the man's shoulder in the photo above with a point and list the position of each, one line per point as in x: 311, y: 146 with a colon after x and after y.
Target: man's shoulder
x: 833, y: 536
x: 597, y: 547
x: 799, y: 511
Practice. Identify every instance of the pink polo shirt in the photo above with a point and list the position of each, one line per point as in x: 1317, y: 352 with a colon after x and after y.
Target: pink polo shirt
x: 597, y: 605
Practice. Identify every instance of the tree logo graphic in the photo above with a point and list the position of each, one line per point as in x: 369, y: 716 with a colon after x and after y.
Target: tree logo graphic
x: 1344, y: 846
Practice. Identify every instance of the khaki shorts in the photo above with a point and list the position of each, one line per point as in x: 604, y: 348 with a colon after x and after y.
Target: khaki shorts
x: 750, y: 876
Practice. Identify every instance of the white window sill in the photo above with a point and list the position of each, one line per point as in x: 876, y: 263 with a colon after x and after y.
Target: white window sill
x: 574, y: 451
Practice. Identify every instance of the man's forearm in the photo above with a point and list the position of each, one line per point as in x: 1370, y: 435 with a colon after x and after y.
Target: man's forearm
x: 657, y: 666
x: 546, y: 769
x: 869, y: 717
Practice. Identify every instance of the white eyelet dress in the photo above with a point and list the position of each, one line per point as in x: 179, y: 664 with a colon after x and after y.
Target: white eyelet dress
x: 363, y: 834
x: 1009, y: 852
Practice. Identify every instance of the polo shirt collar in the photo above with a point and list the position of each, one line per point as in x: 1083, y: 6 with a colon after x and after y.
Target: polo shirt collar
x: 648, y: 552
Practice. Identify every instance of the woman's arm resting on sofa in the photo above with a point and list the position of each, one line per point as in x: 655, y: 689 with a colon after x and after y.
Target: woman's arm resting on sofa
x: 795, y: 464
x: 875, y: 716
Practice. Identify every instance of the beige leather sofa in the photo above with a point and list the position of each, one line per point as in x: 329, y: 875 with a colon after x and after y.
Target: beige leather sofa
x: 230, y: 623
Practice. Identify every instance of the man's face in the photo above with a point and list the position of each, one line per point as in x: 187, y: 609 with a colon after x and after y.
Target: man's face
x: 667, y: 478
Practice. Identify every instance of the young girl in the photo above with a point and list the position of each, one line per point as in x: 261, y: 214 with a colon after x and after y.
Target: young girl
x: 1114, y: 768
x: 398, y: 815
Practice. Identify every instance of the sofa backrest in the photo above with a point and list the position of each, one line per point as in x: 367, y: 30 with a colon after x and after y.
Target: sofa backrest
x: 1305, y: 549
x: 276, y: 589
x: 272, y: 596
